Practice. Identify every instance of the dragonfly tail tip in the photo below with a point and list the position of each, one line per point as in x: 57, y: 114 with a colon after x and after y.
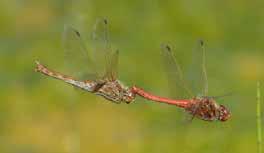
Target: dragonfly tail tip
x: 38, y: 67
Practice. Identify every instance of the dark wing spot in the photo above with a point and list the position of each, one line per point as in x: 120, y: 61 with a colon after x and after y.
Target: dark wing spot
x: 77, y: 33
x: 168, y: 48
x: 201, y: 42
x: 105, y: 21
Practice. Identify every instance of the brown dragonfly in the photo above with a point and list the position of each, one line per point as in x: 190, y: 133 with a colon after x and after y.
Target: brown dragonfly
x: 97, y: 75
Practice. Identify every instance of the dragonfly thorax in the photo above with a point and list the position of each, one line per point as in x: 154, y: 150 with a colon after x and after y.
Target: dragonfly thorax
x: 115, y: 91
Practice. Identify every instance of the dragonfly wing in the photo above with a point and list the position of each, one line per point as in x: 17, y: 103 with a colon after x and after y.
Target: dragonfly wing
x: 197, y: 75
x: 177, y: 84
x: 107, y: 59
x: 112, y: 68
x: 78, y: 62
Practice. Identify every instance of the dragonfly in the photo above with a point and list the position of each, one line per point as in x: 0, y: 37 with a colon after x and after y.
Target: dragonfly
x: 97, y: 75
x: 200, y: 106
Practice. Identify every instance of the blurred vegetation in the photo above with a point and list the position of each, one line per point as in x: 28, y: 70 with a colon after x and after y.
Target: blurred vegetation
x: 258, y: 116
x: 39, y: 114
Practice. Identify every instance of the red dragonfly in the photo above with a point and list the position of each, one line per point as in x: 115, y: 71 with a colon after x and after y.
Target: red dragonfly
x: 200, y: 105
x: 97, y: 75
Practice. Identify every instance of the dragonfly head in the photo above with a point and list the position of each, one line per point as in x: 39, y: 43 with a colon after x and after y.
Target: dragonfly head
x: 224, y: 113
x: 128, y: 96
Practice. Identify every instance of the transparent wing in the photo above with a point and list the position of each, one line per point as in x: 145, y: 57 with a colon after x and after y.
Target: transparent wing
x: 107, y: 59
x: 112, y: 67
x: 197, y: 76
x: 78, y: 62
x: 177, y: 84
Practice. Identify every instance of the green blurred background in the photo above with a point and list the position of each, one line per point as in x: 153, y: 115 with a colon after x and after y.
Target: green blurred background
x: 43, y: 115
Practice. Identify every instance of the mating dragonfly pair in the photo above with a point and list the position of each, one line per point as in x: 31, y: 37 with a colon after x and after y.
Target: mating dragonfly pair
x: 100, y: 74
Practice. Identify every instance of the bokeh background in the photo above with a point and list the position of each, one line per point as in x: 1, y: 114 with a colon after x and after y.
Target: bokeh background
x: 43, y: 115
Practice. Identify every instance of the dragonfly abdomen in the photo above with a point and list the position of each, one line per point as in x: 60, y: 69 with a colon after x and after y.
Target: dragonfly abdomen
x: 85, y: 85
